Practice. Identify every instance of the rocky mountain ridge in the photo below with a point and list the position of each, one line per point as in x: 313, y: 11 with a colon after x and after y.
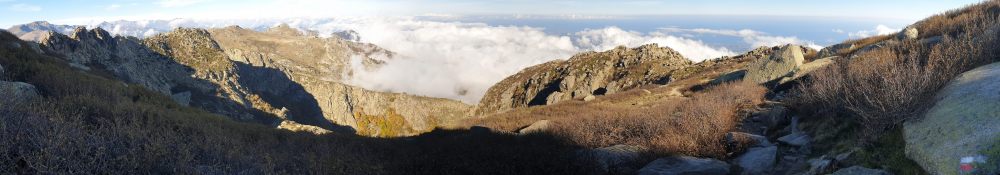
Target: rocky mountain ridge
x: 267, y: 77
x: 583, y: 76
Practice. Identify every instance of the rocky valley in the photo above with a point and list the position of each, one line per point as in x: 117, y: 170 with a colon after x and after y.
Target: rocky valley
x: 280, y: 100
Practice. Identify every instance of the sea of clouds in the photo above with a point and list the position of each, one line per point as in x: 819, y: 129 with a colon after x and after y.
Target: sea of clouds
x: 461, y: 60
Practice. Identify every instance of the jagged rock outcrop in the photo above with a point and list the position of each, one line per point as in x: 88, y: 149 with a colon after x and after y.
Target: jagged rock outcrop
x: 585, y: 74
x: 963, y: 124
x: 681, y: 165
x: 314, y: 68
x: 130, y: 60
x: 776, y: 66
x: 348, y: 35
x: 269, y: 77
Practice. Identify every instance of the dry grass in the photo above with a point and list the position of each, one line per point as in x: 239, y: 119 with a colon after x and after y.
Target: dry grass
x: 689, y: 126
x: 882, y: 88
x: 956, y: 22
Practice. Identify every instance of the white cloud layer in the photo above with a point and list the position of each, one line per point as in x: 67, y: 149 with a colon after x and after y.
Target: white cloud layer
x: 752, y: 37
x: 878, y: 30
x: 462, y: 60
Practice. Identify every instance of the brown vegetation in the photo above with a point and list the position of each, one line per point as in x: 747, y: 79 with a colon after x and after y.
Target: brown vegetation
x: 881, y: 88
x: 689, y: 126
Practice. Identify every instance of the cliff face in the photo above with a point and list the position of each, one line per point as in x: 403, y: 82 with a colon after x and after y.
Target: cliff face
x: 583, y: 75
x: 319, y: 64
x: 268, y: 77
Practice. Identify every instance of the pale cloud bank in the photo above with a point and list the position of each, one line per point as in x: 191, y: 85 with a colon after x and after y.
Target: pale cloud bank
x: 878, y: 30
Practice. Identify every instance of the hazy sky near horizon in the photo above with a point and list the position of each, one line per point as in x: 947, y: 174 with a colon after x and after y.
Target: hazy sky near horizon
x: 83, y: 11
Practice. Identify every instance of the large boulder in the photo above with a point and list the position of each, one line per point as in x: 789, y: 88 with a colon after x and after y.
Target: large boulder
x: 183, y: 98
x: 776, y: 66
x: 834, y: 50
x: 757, y: 160
x: 17, y: 92
x: 537, y: 127
x: 963, y: 123
x: 618, y: 158
x: 908, y: 33
x: 682, y: 165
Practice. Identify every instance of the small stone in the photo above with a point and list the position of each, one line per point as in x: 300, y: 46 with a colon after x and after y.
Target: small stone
x: 589, y: 98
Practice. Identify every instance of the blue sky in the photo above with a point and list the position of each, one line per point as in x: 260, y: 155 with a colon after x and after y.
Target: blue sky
x: 77, y: 11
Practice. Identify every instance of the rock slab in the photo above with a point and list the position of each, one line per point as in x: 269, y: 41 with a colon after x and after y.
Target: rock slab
x: 757, y: 160
x: 538, y: 126
x: 858, y: 170
x: 964, y: 122
x: 683, y: 165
